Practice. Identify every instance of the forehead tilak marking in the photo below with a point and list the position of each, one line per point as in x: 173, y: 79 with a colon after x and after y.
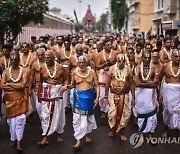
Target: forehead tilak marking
x: 121, y: 57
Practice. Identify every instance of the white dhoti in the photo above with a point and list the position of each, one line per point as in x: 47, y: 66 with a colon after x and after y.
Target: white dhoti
x: 38, y: 107
x: 35, y: 97
x: 71, y: 97
x: 102, y: 83
x: 30, y: 103
x: 66, y: 98
x: 66, y: 94
x: 171, y: 105
x: 83, y: 124
x: 17, y: 125
x: 146, y: 106
x: 52, y: 110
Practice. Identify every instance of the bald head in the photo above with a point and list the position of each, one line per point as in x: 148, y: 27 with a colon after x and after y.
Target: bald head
x: 83, y: 63
x: 78, y: 46
x: 83, y: 58
x: 40, y: 50
x: 14, y: 53
x: 78, y: 49
x: 120, y: 57
x: 175, y: 52
x: 146, y: 57
x: 176, y: 56
x: 50, y: 53
x: 14, y: 59
x: 121, y: 61
x: 40, y: 54
x: 49, y: 57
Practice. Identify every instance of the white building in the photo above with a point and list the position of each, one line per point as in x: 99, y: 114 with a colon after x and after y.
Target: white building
x: 167, y: 17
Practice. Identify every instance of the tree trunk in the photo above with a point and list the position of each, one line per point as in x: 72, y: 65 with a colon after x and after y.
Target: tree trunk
x: 1, y: 41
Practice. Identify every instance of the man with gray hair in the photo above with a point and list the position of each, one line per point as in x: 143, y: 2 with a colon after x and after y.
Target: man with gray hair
x: 85, y: 99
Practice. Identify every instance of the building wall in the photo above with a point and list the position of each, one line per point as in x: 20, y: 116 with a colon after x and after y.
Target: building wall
x: 53, y: 25
x: 146, y: 15
x: 140, y: 14
x: 167, y: 15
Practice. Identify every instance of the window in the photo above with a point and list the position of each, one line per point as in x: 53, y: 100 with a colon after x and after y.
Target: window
x: 159, y: 1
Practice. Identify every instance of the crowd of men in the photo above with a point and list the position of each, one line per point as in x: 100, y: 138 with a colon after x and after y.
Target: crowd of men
x: 123, y: 75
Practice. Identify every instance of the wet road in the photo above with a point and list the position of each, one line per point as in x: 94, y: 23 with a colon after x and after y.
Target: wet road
x: 101, y: 144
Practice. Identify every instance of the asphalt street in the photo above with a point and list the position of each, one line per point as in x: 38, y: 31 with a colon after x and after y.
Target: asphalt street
x: 101, y: 143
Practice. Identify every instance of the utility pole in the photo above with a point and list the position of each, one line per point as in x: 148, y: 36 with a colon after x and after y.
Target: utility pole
x: 80, y: 9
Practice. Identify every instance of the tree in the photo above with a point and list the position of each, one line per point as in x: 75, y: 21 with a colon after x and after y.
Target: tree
x: 101, y: 25
x: 78, y: 27
x: 14, y: 14
x: 118, y: 13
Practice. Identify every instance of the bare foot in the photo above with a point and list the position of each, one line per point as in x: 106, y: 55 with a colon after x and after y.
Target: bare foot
x: 59, y: 138
x: 77, y: 146
x: 141, y: 139
x: 111, y: 134
x: 135, y: 121
x: 122, y: 137
x: 165, y: 134
x: 88, y: 138
x: 44, y: 141
x: 103, y: 115
x: 12, y: 143
x: 19, y: 148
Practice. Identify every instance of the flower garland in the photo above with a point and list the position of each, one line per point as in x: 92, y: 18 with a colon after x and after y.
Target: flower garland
x: 11, y: 76
x: 55, y: 70
x: 5, y: 63
x: 27, y: 61
x: 110, y: 54
x: 38, y: 64
x: 128, y: 63
x: 69, y: 54
x: 83, y: 76
x: 168, y: 54
x: 172, y: 71
x: 127, y: 60
x: 76, y: 57
x: 149, y: 73
x: 118, y: 75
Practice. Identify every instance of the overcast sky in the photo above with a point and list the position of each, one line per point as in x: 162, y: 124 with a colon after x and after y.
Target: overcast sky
x: 67, y: 6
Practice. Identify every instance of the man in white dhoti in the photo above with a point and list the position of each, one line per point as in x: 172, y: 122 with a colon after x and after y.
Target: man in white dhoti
x: 83, y: 80
x: 52, y: 76
x: 13, y: 83
x: 171, y: 93
x: 105, y: 59
x: 64, y: 60
x: 74, y: 64
x: 146, y: 95
x: 35, y: 78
